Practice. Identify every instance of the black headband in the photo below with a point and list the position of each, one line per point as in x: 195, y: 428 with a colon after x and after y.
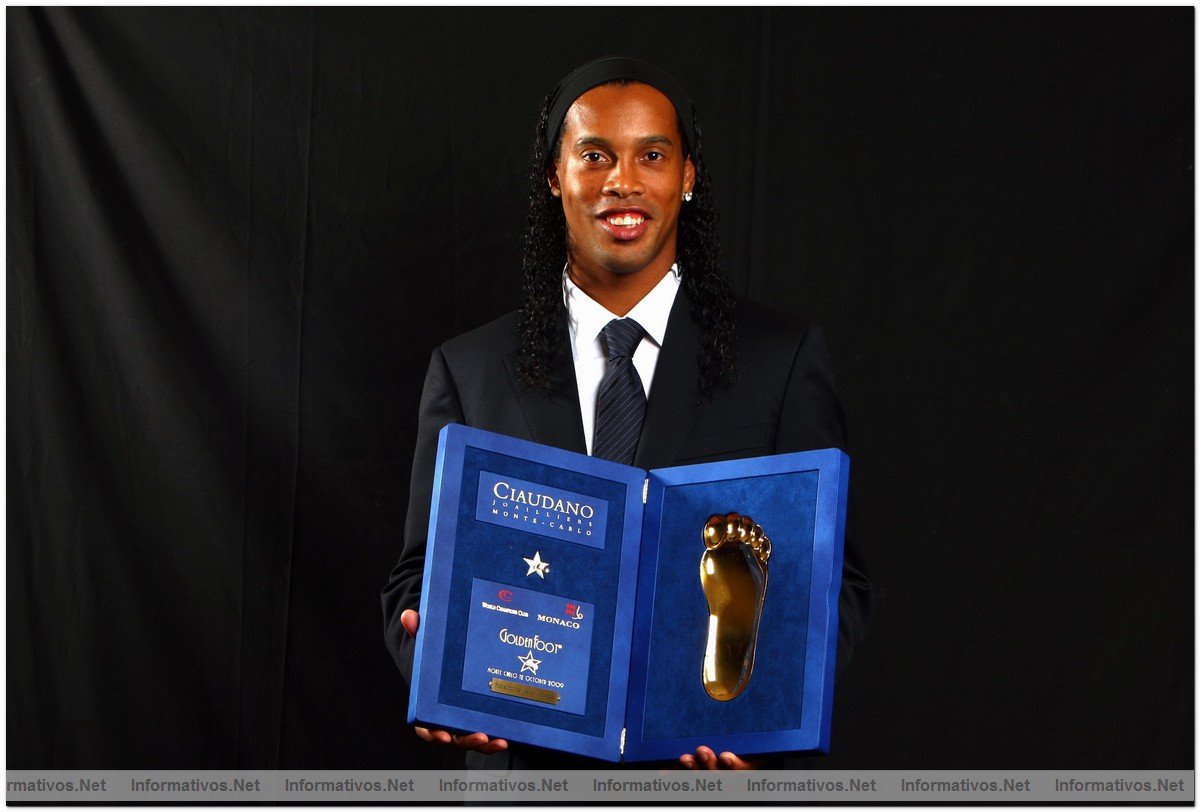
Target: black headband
x: 607, y: 69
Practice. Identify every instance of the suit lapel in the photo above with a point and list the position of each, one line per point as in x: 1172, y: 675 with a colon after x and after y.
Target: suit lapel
x: 673, y: 394
x: 553, y: 419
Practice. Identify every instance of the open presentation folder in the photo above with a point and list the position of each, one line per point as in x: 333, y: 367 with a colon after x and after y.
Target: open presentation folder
x: 577, y: 604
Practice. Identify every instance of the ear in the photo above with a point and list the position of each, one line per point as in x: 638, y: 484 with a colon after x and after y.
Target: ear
x: 689, y: 175
x: 552, y: 179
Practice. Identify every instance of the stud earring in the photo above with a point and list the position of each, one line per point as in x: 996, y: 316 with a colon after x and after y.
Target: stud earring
x: 687, y: 197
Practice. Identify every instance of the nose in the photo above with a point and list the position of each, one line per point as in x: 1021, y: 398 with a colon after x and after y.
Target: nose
x: 624, y: 180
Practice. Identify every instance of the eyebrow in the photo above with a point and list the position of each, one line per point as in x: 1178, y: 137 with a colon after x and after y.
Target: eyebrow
x: 645, y: 140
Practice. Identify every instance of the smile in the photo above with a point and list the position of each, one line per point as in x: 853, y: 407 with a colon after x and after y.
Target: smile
x: 626, y: 220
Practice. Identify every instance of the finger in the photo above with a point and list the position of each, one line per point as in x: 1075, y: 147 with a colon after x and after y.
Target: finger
x: 707, y: 758
x: 471, y: 741
x: 435, y: 736
x: 730, y: 761
x: 688, y: 760
x: 410, y: 619
x: 494, y: 746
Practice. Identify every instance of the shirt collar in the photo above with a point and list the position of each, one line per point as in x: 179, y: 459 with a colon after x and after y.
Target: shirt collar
x: 587, y: 317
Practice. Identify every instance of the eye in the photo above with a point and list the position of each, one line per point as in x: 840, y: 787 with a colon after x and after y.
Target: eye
x: 592, y: 156
x: 654, y: 155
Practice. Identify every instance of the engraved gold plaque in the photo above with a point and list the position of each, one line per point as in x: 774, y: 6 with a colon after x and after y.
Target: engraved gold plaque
x: 503, y: 686
x: 733, y: 574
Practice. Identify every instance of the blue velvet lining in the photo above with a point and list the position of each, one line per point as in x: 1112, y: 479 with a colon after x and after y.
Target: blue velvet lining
x: 677, y: 705
x: 579, y: 571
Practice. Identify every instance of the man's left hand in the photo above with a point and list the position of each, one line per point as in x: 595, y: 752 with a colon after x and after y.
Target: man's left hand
x: 706, y: 759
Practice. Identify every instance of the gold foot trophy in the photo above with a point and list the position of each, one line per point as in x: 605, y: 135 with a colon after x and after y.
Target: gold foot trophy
x: 733, y: 574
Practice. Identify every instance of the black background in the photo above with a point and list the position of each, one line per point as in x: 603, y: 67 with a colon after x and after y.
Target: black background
x: 235, y: 235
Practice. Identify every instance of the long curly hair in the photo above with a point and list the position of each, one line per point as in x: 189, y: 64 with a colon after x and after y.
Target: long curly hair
x: 543, y: 314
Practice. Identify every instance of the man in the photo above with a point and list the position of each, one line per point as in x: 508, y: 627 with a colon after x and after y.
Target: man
x: 629, y: 344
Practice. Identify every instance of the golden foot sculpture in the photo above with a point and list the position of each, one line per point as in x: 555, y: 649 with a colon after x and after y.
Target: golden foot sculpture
x: 733, y: 574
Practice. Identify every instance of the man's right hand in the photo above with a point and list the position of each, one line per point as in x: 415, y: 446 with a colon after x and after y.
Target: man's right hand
x: 410, y: 619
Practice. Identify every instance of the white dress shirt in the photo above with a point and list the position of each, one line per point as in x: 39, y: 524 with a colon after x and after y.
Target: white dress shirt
x: 587, y: 320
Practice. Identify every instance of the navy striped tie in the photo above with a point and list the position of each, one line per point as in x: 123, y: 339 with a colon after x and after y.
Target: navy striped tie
x: 621, y: 402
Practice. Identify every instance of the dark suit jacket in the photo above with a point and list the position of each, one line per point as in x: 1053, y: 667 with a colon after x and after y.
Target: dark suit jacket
x: 783, y: 401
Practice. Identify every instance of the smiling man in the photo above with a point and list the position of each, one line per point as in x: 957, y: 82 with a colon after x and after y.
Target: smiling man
x: 629, y: 344
x: 621, y: 173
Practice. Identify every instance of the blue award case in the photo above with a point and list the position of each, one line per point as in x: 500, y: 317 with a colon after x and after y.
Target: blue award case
x: 562, y: 604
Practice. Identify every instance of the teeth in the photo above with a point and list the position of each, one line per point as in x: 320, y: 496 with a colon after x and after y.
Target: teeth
x: 627, y: 220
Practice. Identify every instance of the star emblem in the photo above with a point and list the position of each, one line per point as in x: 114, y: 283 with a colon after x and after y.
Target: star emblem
x: 537, y: 565
x: 528, y: 663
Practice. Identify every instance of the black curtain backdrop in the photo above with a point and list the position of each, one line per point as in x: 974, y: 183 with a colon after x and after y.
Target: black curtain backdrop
x: 235, y: 235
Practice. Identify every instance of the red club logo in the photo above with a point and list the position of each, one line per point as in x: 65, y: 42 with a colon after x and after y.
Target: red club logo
x: 574, y: 611
x: 505, y: 595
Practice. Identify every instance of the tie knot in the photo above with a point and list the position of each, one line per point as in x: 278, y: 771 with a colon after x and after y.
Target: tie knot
x: 622, y: 337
